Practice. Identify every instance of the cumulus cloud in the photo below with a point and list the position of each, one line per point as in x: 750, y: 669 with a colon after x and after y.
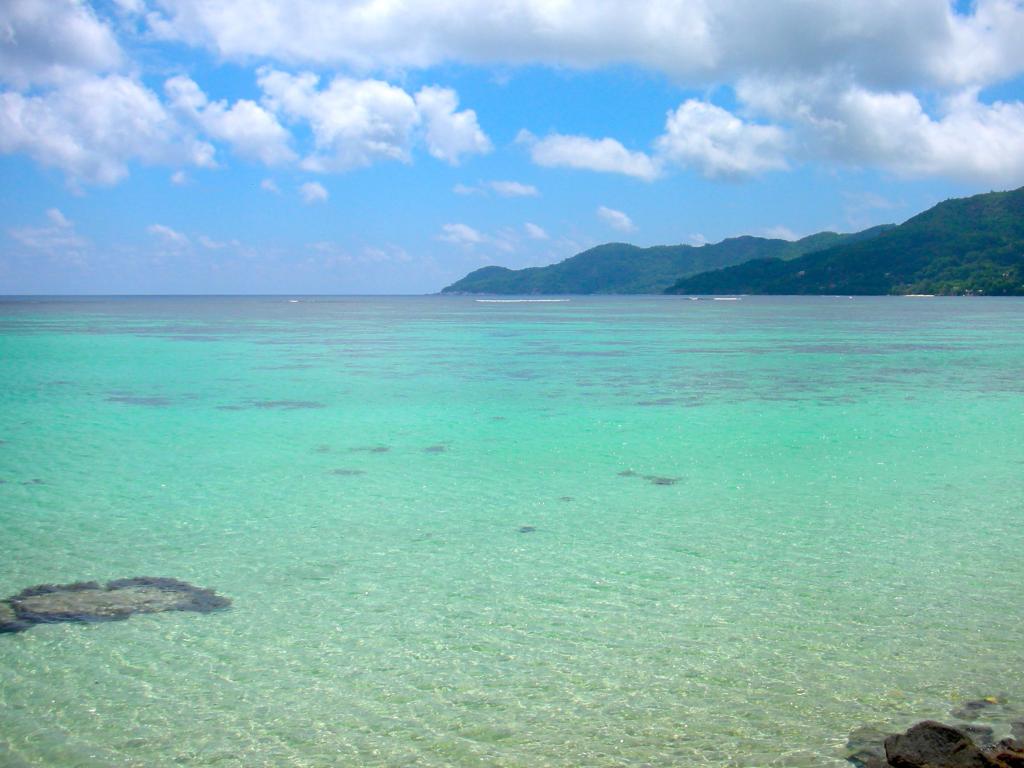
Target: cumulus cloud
x: 535, y: 232
x: 583, y: 153
x: 168, y: 235
x: 313, y: 192
x: 48, y: 41
x: 460, y: 234
x: 615, y: 219
x: 252, y: 131
x: 449, y: 134
x: 717, y: 144
x: 845, y: 123
x: 885, y: 45
x: 354, y: 122
x: 92, y: 127
x: 358, y: 122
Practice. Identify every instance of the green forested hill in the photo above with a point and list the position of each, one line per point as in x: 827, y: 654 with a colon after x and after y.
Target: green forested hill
x: 623, y: 268
x: 972, y: 245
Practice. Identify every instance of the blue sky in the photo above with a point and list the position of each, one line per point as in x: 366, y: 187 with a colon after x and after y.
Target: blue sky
x: 299, y: 146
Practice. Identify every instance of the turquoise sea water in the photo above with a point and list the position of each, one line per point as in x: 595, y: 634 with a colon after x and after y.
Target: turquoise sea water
x: 819, y: 527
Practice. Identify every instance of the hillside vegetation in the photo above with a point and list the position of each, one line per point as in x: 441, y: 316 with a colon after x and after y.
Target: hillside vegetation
x: 972, y: 246
x: 624, y: 268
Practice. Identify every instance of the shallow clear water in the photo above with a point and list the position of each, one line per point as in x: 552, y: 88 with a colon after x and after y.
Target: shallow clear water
x: 840, y: 545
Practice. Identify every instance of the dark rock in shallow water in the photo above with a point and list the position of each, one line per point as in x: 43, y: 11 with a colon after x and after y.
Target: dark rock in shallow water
x: 973, y: 709
x: 627, y: 473
x: 347, y: 472
x: 527, y: 529
x: 119, y: 599
x: 1009, y: 753
x: 436, y: 448
x: 9, y: 621
x: 930, y: 744
x: 866, y: 747
x: 658, y: 480
x: 982, y: 735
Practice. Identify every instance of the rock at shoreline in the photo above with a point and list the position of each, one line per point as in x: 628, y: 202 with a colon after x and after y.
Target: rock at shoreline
x: 866, y: 747
x: 931, y: 744
x: 89, y: 601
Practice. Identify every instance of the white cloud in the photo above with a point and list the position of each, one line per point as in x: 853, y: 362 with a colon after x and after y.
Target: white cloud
x: 970, y: 141
x: 57, y: 218
x: 354, y: 122
x: 460, y: 234
x: 179, y: 178
x: 580, y: 152
x: 210, y: 244
x: 168, y: 235
x: 781, y: 232
x: 500, y: 188
x: 359, y: 122
x: 535, y: 232
x: 844, y: 123
x: 697, y: 240
x: 49, y: 41
x: 718, y: 144
x: 513, y: 189
x: 890, y: 44
x: 57, y: 240
x: 131, y: 6
x: 616, y: 219
x: 449, y: 134
x: 92, y: 127
x: 313, y: 192
x: 252, y: 131
x: 268, y: 185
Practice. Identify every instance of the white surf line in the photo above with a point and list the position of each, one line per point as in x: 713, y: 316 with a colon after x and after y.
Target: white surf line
x: 519, y: 301
x: 726, y: 298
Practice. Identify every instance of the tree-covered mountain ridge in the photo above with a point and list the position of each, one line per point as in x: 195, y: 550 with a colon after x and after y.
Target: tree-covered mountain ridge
x: 964, y: 246
x: 625, y: 268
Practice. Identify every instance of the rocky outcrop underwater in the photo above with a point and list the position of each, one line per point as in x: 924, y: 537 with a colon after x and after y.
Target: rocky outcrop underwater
x: 931, y: 744
x: 89, y: 601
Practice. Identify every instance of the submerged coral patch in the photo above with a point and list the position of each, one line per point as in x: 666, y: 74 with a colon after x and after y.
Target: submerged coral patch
x: 89, y: 601
x: 286, y: 405
x: 653, y: 479
x: 152, y: 401
x: 273, y: 405
x: 659, y: 480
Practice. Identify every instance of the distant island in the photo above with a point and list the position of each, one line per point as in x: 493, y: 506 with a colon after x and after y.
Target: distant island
x: 965, y: 246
